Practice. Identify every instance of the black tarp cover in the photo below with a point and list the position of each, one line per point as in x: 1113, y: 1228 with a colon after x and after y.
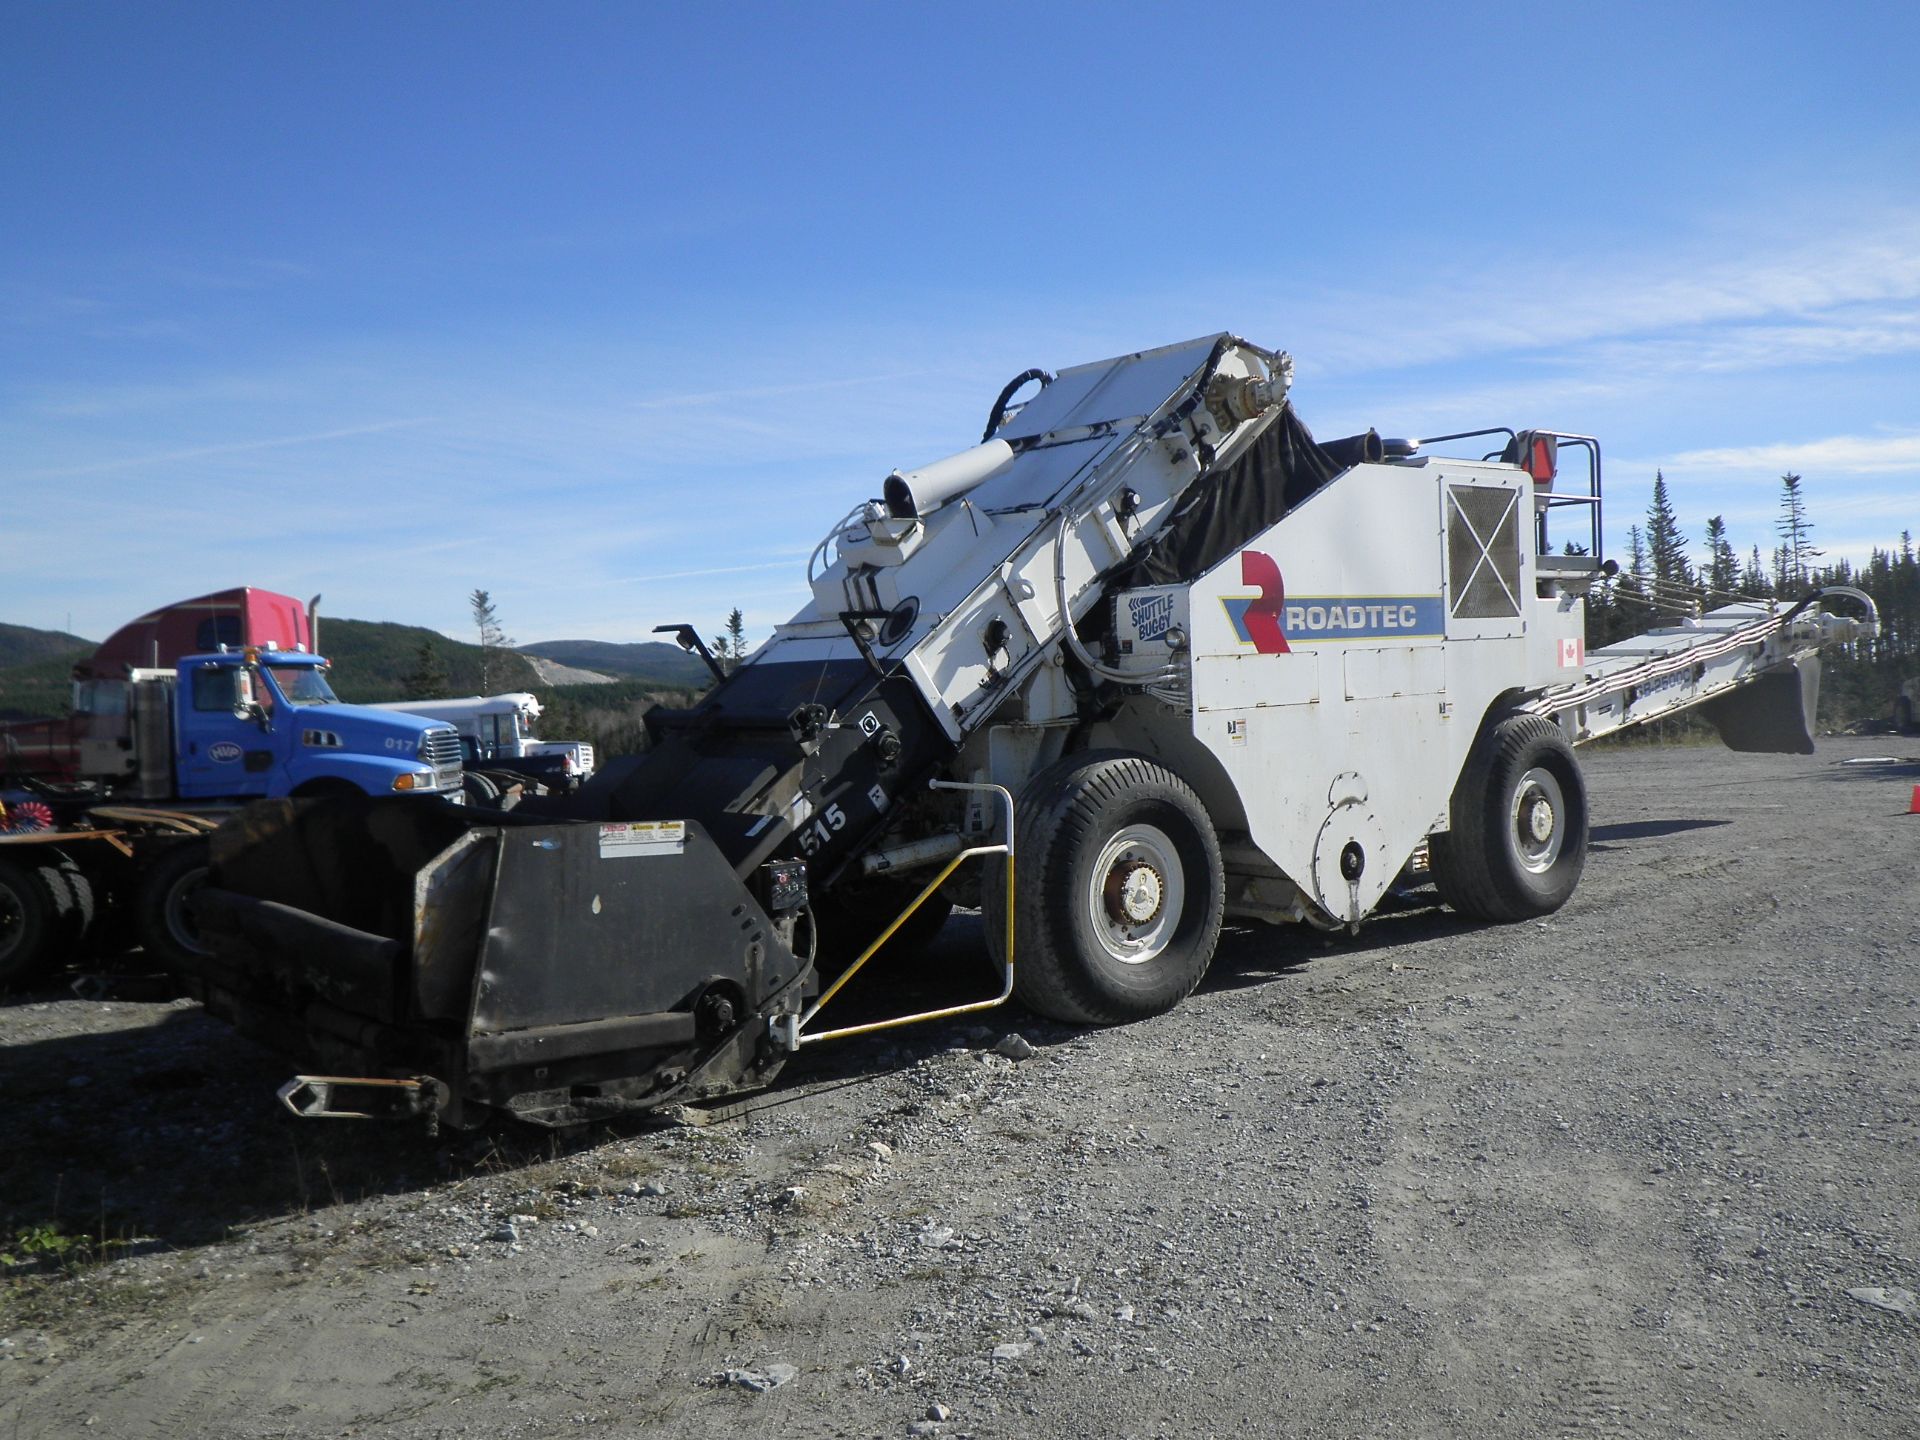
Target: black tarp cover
x: 1224, y: 509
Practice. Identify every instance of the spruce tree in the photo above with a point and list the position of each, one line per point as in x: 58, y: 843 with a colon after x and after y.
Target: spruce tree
x: 730, y: 646
x: 428, y: 680
x: 1634, y: 581
x: 493, y: 638
x: 1723, y: 566
x: 1796, y: 550
x: 1666, y: 546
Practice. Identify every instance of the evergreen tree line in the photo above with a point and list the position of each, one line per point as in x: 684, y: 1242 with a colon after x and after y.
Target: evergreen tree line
x: 1661, y: 583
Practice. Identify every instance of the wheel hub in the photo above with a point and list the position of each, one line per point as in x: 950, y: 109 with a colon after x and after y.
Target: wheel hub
x: 1536, y: 836
x: 1135, y: 892
x: 1540, y: 819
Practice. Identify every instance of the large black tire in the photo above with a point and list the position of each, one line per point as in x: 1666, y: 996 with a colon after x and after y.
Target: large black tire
x: 167, y: 929
x: 32, y: 919
x: 1119, y: 891
x: 1518, y: 840
x: 328, y: 788
x: 74, y: 898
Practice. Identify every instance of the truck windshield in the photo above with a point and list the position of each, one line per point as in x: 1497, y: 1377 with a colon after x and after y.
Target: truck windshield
x: 303, y: 685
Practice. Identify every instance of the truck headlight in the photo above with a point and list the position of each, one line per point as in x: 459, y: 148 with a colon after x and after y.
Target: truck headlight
x: 414, y: 780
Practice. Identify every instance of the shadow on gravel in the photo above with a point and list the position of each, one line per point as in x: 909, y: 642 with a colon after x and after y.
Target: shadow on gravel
x: 165, y: 1132
x: 1898, y: 773
x: 1258, y: 954
x: 1607, y: 837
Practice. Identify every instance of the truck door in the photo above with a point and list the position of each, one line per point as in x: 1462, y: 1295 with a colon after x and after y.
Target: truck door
x: 226, y: 745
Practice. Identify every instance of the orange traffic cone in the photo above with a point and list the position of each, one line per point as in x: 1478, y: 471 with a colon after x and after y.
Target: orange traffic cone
x: 1914, y: 808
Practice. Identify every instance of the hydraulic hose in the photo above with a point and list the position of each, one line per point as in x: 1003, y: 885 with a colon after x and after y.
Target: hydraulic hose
x: 997, y: 416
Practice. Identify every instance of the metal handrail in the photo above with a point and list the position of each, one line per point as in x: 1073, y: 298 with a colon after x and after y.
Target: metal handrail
x: 790, y: 1030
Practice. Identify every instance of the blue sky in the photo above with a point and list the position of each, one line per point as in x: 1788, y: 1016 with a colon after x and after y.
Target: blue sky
x: 613, y: 309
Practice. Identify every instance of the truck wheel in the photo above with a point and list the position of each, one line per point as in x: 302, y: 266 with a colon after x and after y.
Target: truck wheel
x: 29, y: 924
x: 1518, y: 840
x: 74, y: 900
x: 1119, y: 891
x: 326, y: 789
x: 481, y: 791
x: 167, y: 930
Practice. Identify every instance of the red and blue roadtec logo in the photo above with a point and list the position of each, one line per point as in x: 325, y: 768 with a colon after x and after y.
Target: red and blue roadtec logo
x: 1274, y: 622
x: 224, y: 752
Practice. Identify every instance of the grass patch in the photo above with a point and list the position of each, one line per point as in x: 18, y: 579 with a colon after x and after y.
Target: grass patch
x: 60, y: 1302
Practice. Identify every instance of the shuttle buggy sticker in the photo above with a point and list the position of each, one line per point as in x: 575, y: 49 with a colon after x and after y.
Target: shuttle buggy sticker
x: 1152, y: 615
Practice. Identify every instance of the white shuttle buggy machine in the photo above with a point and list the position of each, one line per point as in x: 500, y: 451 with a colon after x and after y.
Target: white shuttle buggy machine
x: 1147, y: 658
x: 1218, y: 670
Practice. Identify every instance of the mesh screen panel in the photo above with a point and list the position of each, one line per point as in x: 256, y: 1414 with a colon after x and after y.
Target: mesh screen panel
x: 1483, y: 552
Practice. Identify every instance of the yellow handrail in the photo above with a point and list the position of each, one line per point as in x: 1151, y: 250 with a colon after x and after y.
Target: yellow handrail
x: 794, y: 1034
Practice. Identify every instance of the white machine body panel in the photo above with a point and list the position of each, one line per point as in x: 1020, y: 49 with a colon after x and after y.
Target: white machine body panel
x: 1342, y: 661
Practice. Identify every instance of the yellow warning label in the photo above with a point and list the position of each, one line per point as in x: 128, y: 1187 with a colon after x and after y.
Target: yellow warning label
x: 633, y: 839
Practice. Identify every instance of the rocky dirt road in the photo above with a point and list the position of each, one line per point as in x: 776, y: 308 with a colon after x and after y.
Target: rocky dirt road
x: 1645, y: 1168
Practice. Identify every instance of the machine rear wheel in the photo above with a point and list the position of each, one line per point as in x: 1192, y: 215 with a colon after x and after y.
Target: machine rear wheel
x: 1119, y: 891
x: 1518, y: 841
x: 167, y: 929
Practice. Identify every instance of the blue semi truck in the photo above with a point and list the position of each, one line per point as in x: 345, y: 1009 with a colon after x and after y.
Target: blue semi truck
x: 104, y: 814
x: 264, y: 724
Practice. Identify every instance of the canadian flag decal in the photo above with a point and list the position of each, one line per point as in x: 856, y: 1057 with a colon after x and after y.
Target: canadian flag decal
x: 1573, y: 654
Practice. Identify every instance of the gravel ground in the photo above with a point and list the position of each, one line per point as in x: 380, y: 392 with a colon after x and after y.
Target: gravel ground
x: 1646, y: 1167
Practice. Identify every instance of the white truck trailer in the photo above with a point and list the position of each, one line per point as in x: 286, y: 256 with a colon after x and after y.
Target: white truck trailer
x: 1146, y: 658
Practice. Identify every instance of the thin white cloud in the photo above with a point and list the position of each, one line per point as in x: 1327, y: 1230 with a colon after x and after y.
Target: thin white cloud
x: 1836, y: 455
x: 1832, y: 295
x: 202, y: 452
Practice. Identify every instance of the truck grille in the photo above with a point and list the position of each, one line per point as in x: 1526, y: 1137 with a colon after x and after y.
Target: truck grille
x: 441, y: 746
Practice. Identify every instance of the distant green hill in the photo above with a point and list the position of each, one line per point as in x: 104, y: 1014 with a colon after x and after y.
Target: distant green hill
x: 375, y: 659
x: 35, y: 670
x: 651, y: 661
x: 24, y: 645
x: 378, y: 660
x: 43, y: 688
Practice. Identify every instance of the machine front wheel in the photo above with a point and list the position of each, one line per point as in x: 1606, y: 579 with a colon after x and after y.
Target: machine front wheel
x: 1119, y: 891
x: 1518, y: 841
